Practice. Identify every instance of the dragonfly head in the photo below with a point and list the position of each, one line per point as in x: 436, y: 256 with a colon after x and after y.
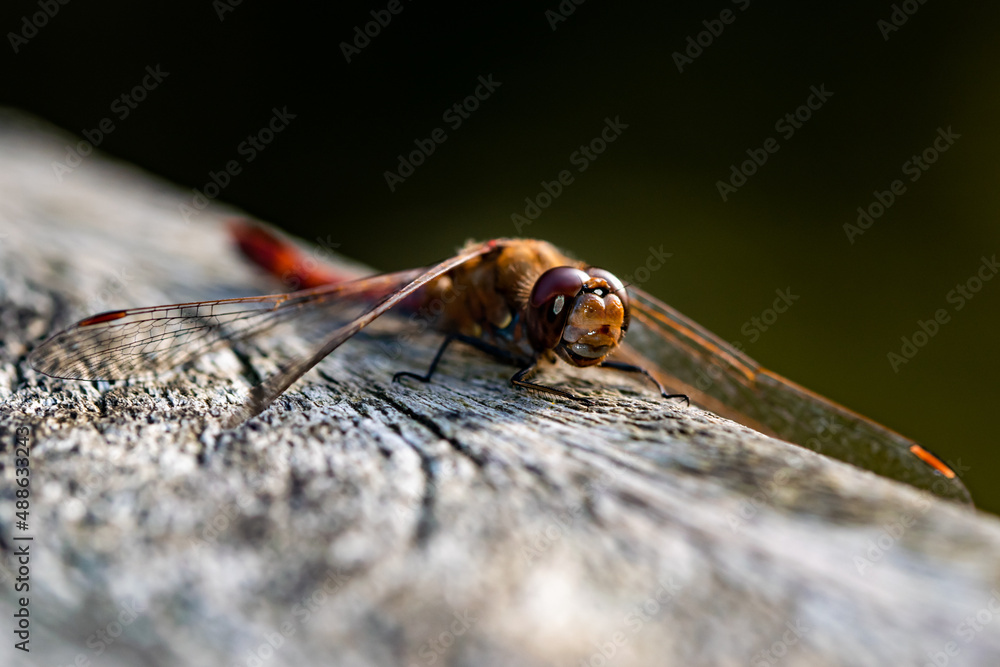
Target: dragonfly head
x: 581, y: 315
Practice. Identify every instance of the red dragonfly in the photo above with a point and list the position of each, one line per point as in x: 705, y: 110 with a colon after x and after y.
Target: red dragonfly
x: 520, y: 300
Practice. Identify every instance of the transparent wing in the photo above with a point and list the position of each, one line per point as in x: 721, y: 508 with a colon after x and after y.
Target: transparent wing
x: 264, y: 393
x: 689, y: 358
x: 123, y: 344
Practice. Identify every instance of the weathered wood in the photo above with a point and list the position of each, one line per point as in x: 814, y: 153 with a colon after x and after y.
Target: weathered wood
x: 360, y: 522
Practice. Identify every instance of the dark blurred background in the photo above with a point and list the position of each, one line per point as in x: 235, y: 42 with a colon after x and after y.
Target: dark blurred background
x: 324, y: 175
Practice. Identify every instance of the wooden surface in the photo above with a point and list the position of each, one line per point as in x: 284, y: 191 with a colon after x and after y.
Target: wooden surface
x: 360, y: 522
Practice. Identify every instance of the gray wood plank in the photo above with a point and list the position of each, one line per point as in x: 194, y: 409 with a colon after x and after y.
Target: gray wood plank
x: 360, y: 522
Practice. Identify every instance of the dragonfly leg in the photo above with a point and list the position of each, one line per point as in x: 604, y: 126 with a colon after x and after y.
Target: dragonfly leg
x: 518, y: 381
x: 503, y: 355
x: 479, y: 344
x: 629, y: 368
x: 426, y: 377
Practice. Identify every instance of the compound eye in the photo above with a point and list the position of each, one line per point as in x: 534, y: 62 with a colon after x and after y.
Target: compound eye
x: 550, y: 303
x: 562, y: 281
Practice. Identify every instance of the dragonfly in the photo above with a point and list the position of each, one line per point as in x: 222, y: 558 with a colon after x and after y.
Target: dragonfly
x: 524, y: 302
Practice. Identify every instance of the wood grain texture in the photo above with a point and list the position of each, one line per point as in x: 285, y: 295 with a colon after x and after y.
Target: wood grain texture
x: 361, y: 522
